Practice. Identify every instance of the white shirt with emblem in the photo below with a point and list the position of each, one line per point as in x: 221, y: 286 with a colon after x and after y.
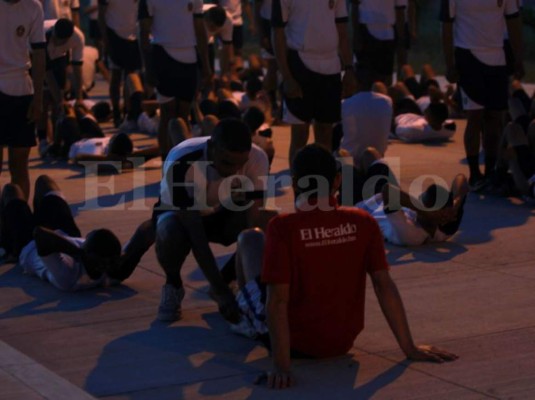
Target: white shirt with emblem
x: 21, y: 24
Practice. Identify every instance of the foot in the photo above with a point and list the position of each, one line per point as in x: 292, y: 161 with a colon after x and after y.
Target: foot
x: 171, y: 303
x: 477, y: 183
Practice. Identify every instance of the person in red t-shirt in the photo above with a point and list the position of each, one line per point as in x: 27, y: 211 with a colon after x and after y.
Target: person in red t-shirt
x: 314, y: 266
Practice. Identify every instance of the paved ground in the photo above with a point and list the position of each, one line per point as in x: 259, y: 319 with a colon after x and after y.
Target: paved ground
x: 473, y: 295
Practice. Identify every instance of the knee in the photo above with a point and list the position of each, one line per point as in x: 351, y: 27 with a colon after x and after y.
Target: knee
x: 251, y: 238
x: 169, y: 230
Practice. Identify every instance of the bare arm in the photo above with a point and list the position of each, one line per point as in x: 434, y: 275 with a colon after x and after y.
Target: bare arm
x: 349, y: 81
x: 76, y: 18
x: 392, y: 306
x: 227, y: 56
x: 38, y: 77
x: 202, y: 47
x: 279, y: 332
x: 355, y: 21
x: 49, y: 242
x: 447, y: 47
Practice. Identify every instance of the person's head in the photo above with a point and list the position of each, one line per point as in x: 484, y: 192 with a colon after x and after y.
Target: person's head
x: 121, y: 145
x: 254, y: 118
x: 81, y: 110
x: 101, y: 111
x: 228, y: 109
x: 229, y: 146
x: 252, y: 87
x: 63, y: 30
x: 436, y: 114
x: 209, y: 107
x: 214, y: 19
x: 436, y: 197
x: 102, y: 249
x: 314, y: 168
x: 208, y: 125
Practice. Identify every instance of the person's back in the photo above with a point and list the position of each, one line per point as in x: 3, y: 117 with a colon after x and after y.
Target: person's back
x: 366, y: 120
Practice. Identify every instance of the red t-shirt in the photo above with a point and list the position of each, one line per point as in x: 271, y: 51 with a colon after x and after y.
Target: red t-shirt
x: 324, y: 257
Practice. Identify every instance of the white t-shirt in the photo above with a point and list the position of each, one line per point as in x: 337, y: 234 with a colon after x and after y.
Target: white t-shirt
x: 121, y: 17
x: 310, y: 27
x: 172, y: 26
x: 21, y: 25
x: 413, y: 128
x: 202, y: 183
x: 366, y: 121
x: 225, y: 32
x: 479, y: 25
x: 235, y: 10
x: 56, y: 9
x: 75, y: 44
x: 400, y: 227
x: 423, y: 102
x: 93, y: 146
x: 380, y: 16
x: 61, y: 270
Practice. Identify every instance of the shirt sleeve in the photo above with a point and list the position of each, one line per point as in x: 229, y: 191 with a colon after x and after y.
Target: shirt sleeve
x: 78, y: 47
x: 144, y: 10
x: 511, y: 9
x: 375, y: 251
x: 279, y: 13
x: 447, y: 11
x: 276, y: 266
x: 37, y: 30
x: 341, y: 11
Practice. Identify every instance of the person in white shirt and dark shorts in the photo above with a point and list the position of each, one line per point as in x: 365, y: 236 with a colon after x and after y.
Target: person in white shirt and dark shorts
x: 21, y: 95
x: 309, y: 61
x: 475, y: 58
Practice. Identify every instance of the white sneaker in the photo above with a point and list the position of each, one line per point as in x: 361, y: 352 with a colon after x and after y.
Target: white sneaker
x: 170, y: 303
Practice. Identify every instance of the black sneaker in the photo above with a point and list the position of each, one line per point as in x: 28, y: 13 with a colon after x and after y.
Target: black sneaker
x: 477, y: 183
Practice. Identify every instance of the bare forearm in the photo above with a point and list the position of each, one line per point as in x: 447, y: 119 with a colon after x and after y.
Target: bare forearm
x: 280, y: 48
x: 344, y: 45
x: 38, y: 72
x: 447, y: 44
x: 279, y: 332
x: 202, y: 45
x: 394, y: 312
x: 49, y: 242
x: 514, y: 28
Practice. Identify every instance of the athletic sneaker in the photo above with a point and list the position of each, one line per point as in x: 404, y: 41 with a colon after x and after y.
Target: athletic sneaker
x: 170, y: 304
x: 477, y: 183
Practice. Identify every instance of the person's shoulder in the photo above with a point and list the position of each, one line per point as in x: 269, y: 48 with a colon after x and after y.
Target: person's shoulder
x: 187, y: 147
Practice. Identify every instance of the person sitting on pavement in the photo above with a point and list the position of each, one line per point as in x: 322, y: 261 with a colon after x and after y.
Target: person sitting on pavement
x: 313, y: 269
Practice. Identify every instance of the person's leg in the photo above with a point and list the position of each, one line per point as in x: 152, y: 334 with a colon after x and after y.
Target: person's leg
x: 134, y: 93
x: 18, y: 168
x: 520, y: 158
x: 492, y: 131
x: 299, y: 139
x: 172, y: 248
x: 323, y: 135
x: 249, y: 255
x: 134, y: 249
x: 472, y: 141
x: 178, y: 131
x: 43, y: 185
x: 375, y: 175
x: 115, y: 95
x: 16, y: 220
x: 168, y: 111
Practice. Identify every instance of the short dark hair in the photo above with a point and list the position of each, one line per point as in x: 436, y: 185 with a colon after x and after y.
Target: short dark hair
x: 314, y: 160
x: 63, y: 28
x: 217, y: 15
x: 233, y: 135
x: 209, y: 107
x: 103, y: 243
x: 253, y: 86
x: 101, y: 111
x: 254, y: 118
x: 121, y: 144
x: 228, y: 109
x: 438, y: 111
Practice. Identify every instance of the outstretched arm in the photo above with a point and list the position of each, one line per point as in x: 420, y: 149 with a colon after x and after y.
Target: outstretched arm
x: 49, y: 242
x: 394, y: 312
